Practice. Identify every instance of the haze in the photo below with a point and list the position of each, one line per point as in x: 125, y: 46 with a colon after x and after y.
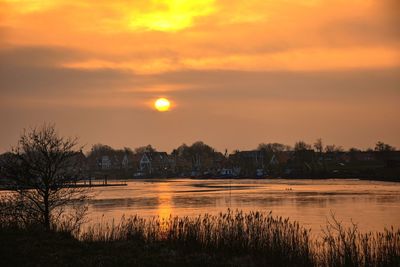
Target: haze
x: 238, y: 72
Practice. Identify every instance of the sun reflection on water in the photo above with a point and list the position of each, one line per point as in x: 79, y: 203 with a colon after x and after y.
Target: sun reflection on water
x: 164, y: 208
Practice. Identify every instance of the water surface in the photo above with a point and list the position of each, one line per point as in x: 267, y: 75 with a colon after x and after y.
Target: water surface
x: 372, y: 205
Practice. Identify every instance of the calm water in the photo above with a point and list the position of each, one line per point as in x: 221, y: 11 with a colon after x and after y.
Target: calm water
x: 373, y: 205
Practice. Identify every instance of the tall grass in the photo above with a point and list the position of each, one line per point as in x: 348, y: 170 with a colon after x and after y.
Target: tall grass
x: 342, y: 246
x: 268, y: 239
x: 260, y: 238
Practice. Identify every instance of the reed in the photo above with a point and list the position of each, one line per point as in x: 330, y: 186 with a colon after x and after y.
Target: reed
x: 268, y: 238
x: 343, y: 246
x: 257, y: 238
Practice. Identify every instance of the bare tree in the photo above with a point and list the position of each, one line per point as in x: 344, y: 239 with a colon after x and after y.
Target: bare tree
x: 43, y: 170
x: 333, y: 149
x: 273, y: 147
x: 382, y: 147
x: 143, y: 149
x: 301, y: 146
x: 318, y: 145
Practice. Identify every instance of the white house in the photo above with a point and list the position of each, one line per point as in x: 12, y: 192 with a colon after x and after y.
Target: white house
x: 153, y: 162
x: 105, y: 163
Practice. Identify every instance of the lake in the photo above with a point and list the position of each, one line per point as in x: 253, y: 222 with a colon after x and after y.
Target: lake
x: 373, y: 205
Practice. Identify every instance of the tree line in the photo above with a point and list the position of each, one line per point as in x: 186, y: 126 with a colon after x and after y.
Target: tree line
x: 201, y: 148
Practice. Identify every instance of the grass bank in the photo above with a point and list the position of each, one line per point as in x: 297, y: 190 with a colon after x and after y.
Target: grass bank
x: 226, y: 239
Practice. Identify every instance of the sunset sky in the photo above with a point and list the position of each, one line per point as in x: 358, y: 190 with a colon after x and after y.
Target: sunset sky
x: 237, y: 73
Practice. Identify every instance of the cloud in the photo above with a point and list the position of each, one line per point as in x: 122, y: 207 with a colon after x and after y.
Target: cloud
x: 34, y: 77
x: 237, y: 35
x: 37, y: 69
x: 29, y: 6
x: 340, y: 87
x: 228, y: 109
x: 37, y: 55
x: 36, y: 74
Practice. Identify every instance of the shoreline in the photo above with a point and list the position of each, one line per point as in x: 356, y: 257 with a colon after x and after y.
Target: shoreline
x: 125, y: 180
x: 264, y: 178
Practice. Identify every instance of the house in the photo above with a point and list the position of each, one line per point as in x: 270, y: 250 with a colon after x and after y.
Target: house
x: 125, y: 161
x: 224, y: 172
x: 155, y: 163
x: 248, y: 161
x: 256, y: 157
x: 280, y: 158
x: 104, y: 163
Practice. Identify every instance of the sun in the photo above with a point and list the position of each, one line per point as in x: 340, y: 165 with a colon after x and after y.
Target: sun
x: 171, y: 15
x: 162, y: 104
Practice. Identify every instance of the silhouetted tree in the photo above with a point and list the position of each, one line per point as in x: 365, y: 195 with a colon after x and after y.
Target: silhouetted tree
x: 42, y: 170
x: 320, y: 167
x: 128, y: 150
x: 273, y: 147
x: 303, y: 158
x: 319, y: 146
x: 382, y: 147
x: 301, y: 145
x: 97, y: 152
x: 143, y: 149
x: 333, y: 149
x: 198, y: 156
x: 100, y: 149
x: 269, y: 152
x: 353, y: 151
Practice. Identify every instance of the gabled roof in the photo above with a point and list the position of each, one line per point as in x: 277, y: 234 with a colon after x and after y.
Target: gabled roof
x: 156, y: 156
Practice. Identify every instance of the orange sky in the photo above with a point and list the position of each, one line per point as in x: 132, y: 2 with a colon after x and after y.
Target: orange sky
x: 238, y: 72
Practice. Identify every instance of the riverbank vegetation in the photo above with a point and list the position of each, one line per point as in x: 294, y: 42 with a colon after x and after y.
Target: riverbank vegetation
x: 232, y: 238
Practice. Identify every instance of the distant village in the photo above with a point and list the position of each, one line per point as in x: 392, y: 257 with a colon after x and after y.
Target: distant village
x: 272, y: 160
